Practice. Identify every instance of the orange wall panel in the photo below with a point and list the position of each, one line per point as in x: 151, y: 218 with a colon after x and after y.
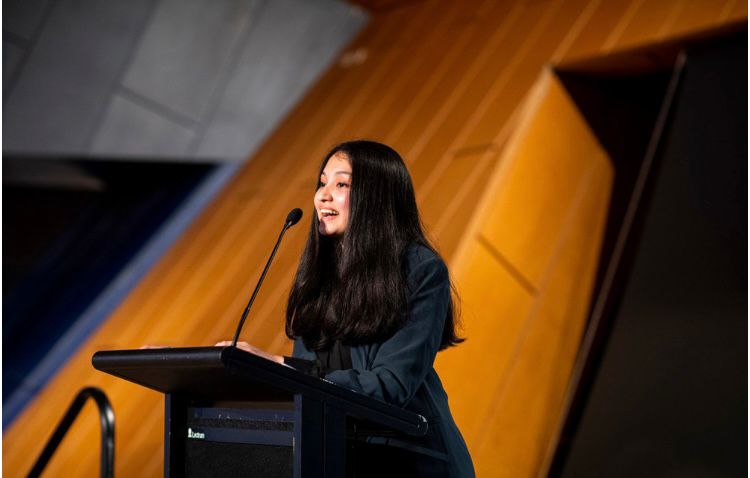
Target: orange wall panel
x: 552, y: 168
x: 493, y: 308
x: 523, y: 223
x: 528, y: 408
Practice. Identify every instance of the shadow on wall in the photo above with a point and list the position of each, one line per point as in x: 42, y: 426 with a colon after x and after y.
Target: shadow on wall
x: 664, y: 387
x: 69, y: 226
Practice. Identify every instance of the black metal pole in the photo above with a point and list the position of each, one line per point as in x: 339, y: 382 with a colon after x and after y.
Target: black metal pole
x: 106, y: 421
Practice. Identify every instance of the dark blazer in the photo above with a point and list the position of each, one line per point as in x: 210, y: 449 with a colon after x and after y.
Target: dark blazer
x: 400, y: 370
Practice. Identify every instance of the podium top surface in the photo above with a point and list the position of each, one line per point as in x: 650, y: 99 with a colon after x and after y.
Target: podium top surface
x: 229, y: 373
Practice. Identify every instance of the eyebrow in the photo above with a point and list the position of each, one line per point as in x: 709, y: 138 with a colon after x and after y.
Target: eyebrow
x: 338, y: 172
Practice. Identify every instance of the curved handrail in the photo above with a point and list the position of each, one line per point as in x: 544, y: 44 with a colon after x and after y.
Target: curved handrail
x: 106, y: 420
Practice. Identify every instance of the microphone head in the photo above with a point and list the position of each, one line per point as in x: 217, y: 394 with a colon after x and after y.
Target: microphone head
x: 293, y: 217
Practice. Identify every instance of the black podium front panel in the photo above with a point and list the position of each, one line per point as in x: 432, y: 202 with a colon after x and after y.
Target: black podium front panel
x: 207, y: 459
x: 232, y: 438
x: 259, y: 426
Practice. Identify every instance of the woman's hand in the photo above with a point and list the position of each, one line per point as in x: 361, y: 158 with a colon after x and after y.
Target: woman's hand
x: 253, y: 350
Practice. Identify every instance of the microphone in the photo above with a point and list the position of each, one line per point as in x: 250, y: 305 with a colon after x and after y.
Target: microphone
x: 291, y: 219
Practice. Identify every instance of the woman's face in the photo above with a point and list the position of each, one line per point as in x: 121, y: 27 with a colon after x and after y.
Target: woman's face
x: 332, y: 198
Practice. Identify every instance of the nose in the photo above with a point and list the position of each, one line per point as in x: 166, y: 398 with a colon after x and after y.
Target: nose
x: 323, y: 194
x: 326, y: 191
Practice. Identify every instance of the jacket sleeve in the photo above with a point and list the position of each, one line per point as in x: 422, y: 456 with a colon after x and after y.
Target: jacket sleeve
x: 402, y: 362
x: 301, y: 352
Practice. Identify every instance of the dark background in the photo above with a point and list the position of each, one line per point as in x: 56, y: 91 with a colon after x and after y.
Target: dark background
x: 667, y: 380
x: 69, y: 226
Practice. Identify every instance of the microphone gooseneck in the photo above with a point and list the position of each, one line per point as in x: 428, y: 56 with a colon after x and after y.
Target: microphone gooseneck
x: 291, y: 219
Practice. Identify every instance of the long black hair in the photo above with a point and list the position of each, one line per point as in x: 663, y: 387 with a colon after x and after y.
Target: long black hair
x: 353, y: 288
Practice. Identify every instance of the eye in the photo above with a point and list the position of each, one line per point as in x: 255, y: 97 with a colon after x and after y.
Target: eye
x: 321, y: 184
x: 342, y: 185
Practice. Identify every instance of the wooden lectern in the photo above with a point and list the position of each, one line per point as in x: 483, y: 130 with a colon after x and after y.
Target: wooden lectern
x: 231, y: 413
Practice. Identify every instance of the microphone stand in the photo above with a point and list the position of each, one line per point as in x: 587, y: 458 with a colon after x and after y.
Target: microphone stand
x: 291, y: 220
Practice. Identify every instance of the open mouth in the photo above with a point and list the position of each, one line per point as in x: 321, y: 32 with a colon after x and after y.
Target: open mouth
x: 327, y: 214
